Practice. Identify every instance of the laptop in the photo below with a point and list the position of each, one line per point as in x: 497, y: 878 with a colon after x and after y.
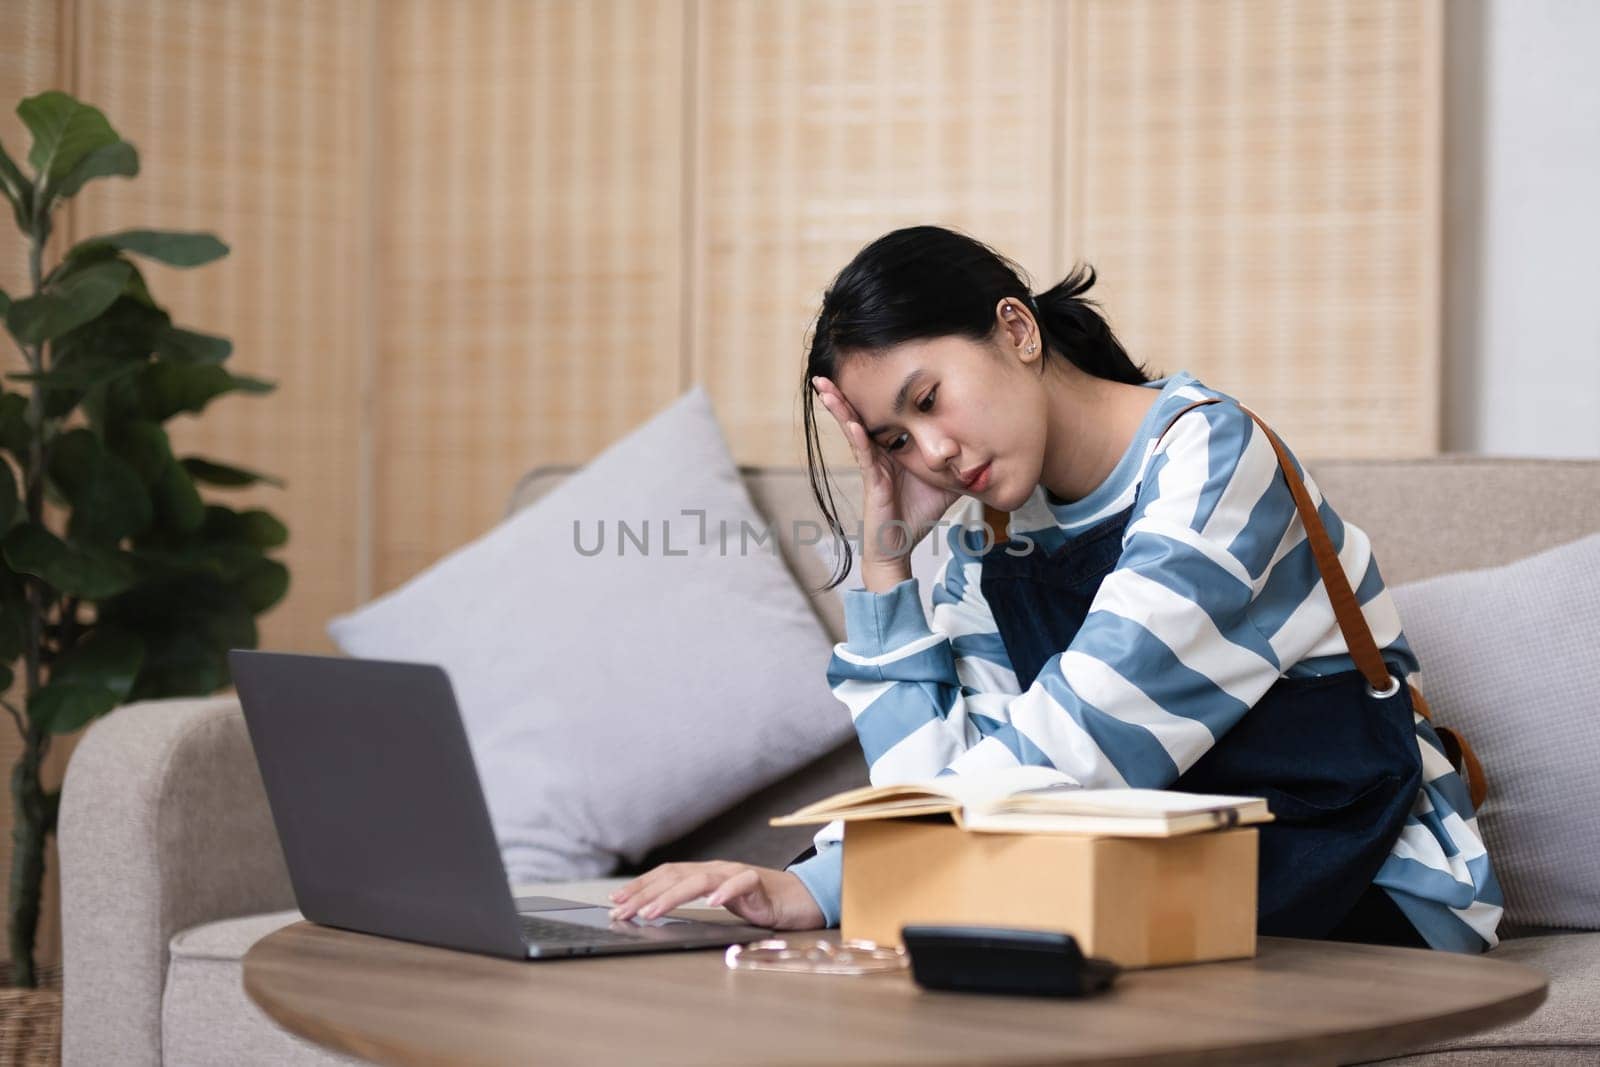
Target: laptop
x: 383, y: 823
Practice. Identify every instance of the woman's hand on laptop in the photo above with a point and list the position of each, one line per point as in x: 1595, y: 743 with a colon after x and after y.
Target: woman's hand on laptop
x: 758, y: 895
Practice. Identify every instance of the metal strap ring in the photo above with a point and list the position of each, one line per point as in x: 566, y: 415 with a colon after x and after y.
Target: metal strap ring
x: 1394, y: 687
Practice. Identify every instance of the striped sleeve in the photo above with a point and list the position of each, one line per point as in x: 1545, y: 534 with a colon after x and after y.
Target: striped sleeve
x: 1438, y: 872
x: 1166, y: 662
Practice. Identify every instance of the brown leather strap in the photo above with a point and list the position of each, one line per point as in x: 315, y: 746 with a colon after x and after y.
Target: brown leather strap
x: 999, y: 524
x: 1457, y: 751
x: 1353, y: 624
x: 1358, y: 639
x: 1346, y: 609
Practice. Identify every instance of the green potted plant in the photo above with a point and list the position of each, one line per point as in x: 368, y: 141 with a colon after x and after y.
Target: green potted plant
x: 118, y: 582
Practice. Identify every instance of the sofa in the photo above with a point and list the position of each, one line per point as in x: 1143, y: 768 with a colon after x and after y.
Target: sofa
x: 171, y: 870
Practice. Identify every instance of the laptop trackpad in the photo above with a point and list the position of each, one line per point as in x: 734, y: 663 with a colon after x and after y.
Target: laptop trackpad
x: 600, y: 919
x: 529, y: 905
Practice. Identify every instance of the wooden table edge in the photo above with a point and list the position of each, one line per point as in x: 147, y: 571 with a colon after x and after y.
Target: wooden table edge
x: 1359, y: 1045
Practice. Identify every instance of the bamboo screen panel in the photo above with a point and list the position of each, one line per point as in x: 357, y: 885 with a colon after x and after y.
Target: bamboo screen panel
x: 1258, y: 182
x: 822, y: 126
x: 250, y: 119
x: 531, y: 251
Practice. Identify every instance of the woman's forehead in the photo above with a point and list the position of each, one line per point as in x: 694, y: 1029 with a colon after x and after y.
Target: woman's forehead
x: 876, y: 383
x: 885, y: 368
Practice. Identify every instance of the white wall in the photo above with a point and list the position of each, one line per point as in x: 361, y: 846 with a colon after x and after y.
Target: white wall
x: 1522, y: 227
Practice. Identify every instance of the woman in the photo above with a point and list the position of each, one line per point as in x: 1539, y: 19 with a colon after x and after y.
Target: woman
x: 1144, y: 605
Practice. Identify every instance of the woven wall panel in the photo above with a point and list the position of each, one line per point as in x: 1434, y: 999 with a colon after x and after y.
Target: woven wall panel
x: 824, y: 125
x: 1258, y: 183
x: 251, y: 122
x: 531, y: 250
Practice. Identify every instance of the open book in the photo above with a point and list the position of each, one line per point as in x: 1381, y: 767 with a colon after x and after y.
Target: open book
x: 1038, y: 800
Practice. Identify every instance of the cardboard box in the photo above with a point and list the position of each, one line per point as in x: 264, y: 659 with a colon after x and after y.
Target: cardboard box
x: 1143, y: 902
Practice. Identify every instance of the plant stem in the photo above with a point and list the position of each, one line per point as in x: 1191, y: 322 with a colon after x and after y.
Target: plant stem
x: 27, y: 860
x: 33, y: 477
x: 29, y: 830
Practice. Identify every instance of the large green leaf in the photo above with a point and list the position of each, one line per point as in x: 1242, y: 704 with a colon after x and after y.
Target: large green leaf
x: 64, y: 132
x: 93, y: 368
x: 14, y: 433
x: 91, y: 573
x: 62, y: 707
x: 18, y: 189
x: 89, y: 681
x: 120, y: 159
x: 108, y: 499
x: 6, y: 678
x: 204, y: 470
x: 191, y: 346
x: 109, y: 656
x: 180, y: 662
x: 85, y: 373
x: 78, y: 258
x: 117, y: 342
x: 168, y: 388
x: 70, y: 303
x: 173, y: 494
x: 177, y: 499
x: 253, y: 527
x: 263, y: 585
x: 10, y: 497
x: 129, y: 329
x: 188, y: 623
x: 228, y: 545
x: 175, y: 248
x: 144, y: 445
x: 76, y: 374
x: 13, y: 616
x: 228, y: 560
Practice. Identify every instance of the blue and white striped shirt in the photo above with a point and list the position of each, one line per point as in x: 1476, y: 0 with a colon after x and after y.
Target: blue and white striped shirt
x: 1215, y: 576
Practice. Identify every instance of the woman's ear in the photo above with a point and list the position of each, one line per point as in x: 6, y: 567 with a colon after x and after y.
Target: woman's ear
x: 1018, y: 331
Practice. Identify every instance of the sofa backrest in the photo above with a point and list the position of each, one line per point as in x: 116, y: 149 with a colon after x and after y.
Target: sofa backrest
x: 1425, y: 516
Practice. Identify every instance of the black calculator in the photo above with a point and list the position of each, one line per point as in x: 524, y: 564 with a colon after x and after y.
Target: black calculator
x: 992, y: 959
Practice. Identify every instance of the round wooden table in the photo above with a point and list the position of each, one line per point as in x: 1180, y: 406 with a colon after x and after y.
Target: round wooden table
x: 1314, y: 1002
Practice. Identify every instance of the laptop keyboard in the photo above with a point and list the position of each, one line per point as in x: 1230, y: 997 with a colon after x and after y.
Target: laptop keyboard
x: 551, y: 932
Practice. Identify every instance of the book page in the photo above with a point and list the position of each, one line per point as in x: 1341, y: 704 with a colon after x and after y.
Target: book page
x: 1124, y: 802
x: 985, y: 790
x: 944, y: 793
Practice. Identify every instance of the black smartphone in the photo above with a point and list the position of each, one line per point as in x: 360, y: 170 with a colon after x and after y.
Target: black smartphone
x: 993, y: 959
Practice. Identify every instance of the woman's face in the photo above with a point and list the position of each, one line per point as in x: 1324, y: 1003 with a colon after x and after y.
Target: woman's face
x: 956, y: 414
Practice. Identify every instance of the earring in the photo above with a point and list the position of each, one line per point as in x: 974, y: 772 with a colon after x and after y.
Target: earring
x: 1031, y: 349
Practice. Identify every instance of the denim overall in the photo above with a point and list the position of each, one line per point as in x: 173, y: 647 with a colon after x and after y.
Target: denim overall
x: 1338, y: 764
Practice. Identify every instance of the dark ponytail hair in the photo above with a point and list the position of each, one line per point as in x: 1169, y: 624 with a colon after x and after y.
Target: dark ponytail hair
x: 923, y: 282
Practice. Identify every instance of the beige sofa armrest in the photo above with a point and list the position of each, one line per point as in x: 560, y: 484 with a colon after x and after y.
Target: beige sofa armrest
x: 164, y: 824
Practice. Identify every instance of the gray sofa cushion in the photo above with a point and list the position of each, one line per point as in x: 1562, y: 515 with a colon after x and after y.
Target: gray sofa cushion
x: 1509, y: 659
x: 207, y: 1019
x: 1564, y: 1032
x: 616, y: 701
